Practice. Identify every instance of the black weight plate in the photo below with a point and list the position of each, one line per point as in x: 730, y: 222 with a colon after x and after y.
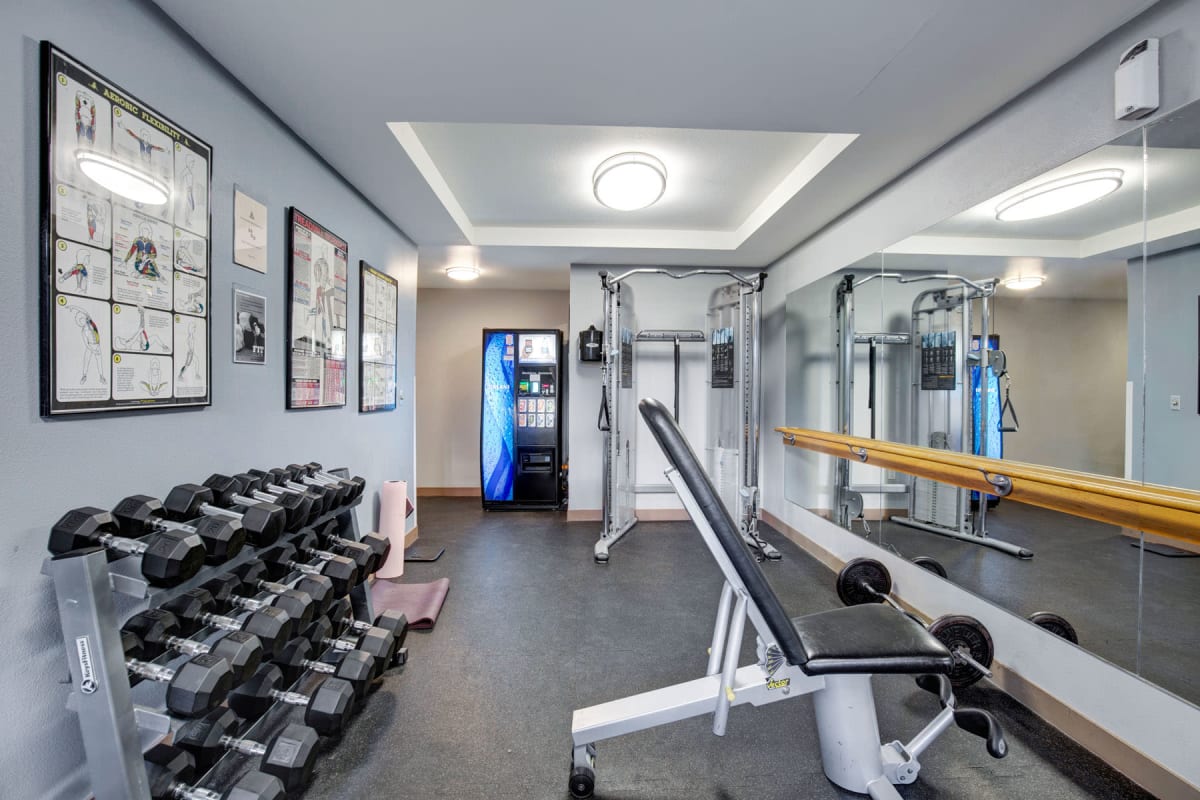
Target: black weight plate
x: 930, y: 563
x: 1055, y: 624
x: 857, y: 575
x: 958, y: 631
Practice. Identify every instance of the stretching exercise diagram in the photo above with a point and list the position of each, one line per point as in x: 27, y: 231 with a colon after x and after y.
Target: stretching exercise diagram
x: 78, y: 271
x: 85, y: 119
x: 193, y: 304
x: 145, y: 146
x: 322, y: 308
x: 95, y: 222
x: 190, y: 361
x: 189, y: 190
x: 140, y: 338
x: 154, y: 383
x: 184, y: 261
x: 91, y: 343
x: 144, y: 254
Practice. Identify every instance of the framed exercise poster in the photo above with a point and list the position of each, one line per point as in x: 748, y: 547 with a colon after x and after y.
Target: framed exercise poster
x: 377, y: 331
x: 125, y: 249
x: 316, y: 314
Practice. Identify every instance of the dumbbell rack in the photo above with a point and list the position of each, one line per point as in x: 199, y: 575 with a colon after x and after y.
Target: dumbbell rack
x: 118, y: 723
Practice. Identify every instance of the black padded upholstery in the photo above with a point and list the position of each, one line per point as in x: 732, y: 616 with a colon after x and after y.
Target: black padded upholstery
x: 856, y: 639
x: 869, y: 638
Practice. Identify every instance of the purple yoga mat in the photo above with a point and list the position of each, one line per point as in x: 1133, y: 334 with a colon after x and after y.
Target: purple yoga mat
x: 420, y: 602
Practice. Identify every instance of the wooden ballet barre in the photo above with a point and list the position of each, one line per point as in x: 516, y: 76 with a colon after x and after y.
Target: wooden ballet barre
x: 1166, y: 511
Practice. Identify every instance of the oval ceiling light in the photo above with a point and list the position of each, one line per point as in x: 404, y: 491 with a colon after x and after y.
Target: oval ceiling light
x: 122, y: 179
x: 629, y: 181
x: 1057, y: 196
x: 1023, y: 283
x: 462, y: 273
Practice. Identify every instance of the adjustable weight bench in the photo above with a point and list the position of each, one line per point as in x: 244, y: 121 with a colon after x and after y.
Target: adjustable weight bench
x: 830, y: 655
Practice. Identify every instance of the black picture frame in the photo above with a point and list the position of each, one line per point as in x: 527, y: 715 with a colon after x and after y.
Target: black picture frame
x: 315, y: 339
x: 377, y: 339
x: 85, y: 301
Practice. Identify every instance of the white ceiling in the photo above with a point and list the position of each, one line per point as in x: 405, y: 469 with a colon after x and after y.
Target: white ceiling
x: 1082, y: 252
x: 906, y: 77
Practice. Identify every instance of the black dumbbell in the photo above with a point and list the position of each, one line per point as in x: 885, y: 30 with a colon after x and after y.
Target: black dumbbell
x: 290, y: 755
x: 319, y: 472
x: 305, y: 507
x: 168, y: 559
x: 280, y: 480
x: 272, y: 626
x: 376, y: 642
x: 263, y: 523
x: 230, y: 592
x: 141, y: 514
x: 195, y: 687
x: 346, y: 487
x: 355, y: 667
x: 159, y: 632
x: 363, y: 557
x: 282, y: 560
x: 379, y: 544
x: 247, y: 488
x: 171, y: 770
x: 331, y: 496
x: 327, y: 709
x: 256, y: 575
x: 341, y: 615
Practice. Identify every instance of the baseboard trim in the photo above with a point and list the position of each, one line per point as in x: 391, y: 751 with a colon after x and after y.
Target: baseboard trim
x: 449, y: 491
x: 643, y: 515
x: 1117, y: 753
x: 1154, y: 538
x: 411, y: 537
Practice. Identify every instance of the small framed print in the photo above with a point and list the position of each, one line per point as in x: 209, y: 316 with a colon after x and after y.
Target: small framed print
x: 249, y: 327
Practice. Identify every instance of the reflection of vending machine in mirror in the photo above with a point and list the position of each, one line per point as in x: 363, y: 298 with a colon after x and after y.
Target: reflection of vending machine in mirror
x: 520, y: 446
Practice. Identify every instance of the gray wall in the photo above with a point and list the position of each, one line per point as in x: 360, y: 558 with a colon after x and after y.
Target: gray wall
x: 52, y: 466
x: 449, y: 363
x: 1063, y: 117
x: 1164, y: 450
x: 1068, y: 362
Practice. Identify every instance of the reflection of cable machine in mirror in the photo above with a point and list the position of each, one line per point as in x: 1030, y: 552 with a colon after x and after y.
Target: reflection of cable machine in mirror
x: 733, y: 318
x: 953, y: 406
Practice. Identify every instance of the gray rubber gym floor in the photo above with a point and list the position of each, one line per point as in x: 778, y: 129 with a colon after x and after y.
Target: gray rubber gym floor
x: 533, y: 629
x: 1088, y: 572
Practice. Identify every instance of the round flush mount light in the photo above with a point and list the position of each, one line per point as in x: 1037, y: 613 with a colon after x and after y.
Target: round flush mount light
x: 122, y: 179
x: 1057, y: 196
x: 629, y: 181
x: 1023, y: 283
x: 462, y: 273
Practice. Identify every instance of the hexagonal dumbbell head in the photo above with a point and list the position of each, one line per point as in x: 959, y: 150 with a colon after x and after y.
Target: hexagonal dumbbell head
x: 340, y: 570
x: 138, y: 515
x: 199, y: 685
x: 183, y: 502
x: 291, y: 756
x: 223, y: 538
x: 82, y: 527
x: 264, y: 522
x: 257, y: 786
x: 201, y: 738
x: 158, y: 629
x: 223, y: 488
x: 363, y: 557
x: 166, y: 768
x: 330, y: 707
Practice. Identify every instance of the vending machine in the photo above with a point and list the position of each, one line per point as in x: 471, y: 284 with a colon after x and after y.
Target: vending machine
x: 520, y: 431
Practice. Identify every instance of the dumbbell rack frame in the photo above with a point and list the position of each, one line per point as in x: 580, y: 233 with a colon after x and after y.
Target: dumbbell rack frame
x: 118, y: 723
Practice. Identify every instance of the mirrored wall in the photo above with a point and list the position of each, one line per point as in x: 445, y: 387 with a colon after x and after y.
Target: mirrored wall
x: 1056, y: 324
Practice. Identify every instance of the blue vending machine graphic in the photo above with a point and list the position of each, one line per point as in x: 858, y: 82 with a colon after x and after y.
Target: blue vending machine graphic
x: 496, y: 453
x: 520, y: 446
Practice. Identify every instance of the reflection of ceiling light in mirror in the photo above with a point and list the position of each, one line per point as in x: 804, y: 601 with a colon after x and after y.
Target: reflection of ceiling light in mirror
x: 629, y: 181
x: 462, y: 273
x: 1023, y: 282
x: 122, y: 179
x: 1059, y: 195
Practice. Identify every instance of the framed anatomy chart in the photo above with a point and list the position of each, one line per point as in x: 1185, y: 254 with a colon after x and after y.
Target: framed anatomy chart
x: 125, y: 249
x: 316, y: 314
x: 377, y: 348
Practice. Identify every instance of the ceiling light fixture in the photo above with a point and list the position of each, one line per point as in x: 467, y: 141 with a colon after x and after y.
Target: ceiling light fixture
x: 1023, y: 282
x: 462, y: 273
x: 629, y: 181
x: 1057, y: 196
x: 122, y: 179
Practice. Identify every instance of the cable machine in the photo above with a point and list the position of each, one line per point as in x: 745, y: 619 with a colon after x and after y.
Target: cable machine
x: 733, y: 321
x: 955, y: 400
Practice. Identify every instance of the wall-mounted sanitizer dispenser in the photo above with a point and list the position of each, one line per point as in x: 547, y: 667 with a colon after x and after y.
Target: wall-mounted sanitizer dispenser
x: 590, y: 342
x: 1136, y: 84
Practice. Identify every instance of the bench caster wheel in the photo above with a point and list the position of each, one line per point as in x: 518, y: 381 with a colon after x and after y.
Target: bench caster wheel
x: 583, y: 782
